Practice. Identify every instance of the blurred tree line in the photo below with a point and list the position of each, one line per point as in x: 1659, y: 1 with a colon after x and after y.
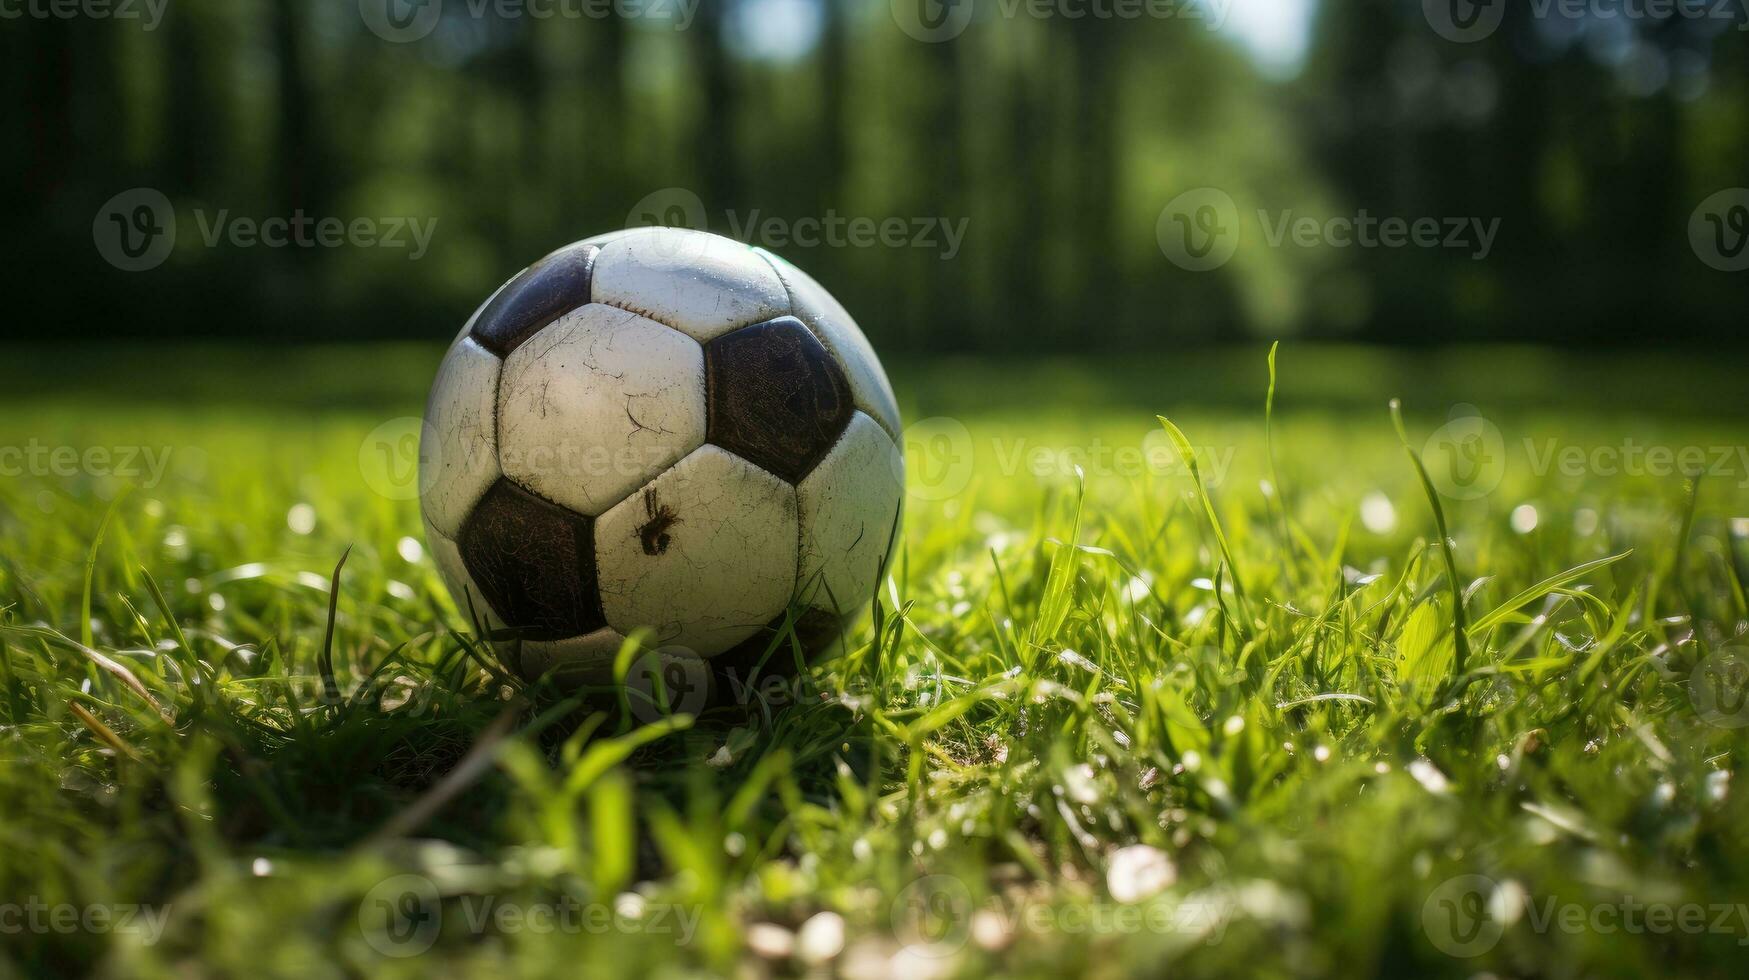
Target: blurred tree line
x: 1056, y: 140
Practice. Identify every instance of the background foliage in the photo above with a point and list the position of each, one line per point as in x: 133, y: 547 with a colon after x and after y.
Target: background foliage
x: 1058, y: 140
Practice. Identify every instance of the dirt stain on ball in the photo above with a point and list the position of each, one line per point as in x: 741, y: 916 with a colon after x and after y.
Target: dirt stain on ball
x: 653, y: 533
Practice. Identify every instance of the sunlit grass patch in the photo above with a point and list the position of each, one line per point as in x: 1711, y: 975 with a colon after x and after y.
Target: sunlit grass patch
x: 1108, y: 716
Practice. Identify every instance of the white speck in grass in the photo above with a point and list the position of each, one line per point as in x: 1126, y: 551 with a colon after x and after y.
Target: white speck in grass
x: 937, y: 839
x: 1321, y: 753
x: 1540, y: 833
x: 1504, y: 761
x: 991, y: 929
x: 1718, y: 785
x: 820, y: 938
x: 216, y: 601
x: 862, y: 850
x: 301, y: 519
x: 1429, y: 776
x: 1138, y: 873
x: 192, y: 586
x: 630, y: 905
x: 401, y: 591
x: 176, y: 543
x: 310, y: 580
x: 1267, y: 487
x: 734, y: 844
x: 1234, y: 725
x: 261, y: 867
x: 1381, y: 767
x: 1191, y: 761
x: 1508, y: 902
x: 1139, y: 587
x: 721, y: 759
x: 1078, y: 784
x: 1584, y: 521
x: 1664, y: 792
x: 399, y: 693
x: 242, y: 573
x: 1205, y: 584
x: 1378, y: 513
x: 1524, y: 518
x: 410, y: 550
x: 1074, y: 659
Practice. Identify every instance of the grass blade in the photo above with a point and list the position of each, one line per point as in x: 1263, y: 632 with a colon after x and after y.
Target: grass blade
x: 1460, y: 630
x: 1537, y: 591
x: 91, y: 567
x: 1188, y: 456
x: 325, y: 662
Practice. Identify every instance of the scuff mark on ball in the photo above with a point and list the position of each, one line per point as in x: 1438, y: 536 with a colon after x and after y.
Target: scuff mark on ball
x: 653, y: 533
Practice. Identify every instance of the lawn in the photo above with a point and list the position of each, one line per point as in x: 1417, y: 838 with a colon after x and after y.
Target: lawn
x: 1113, y: 714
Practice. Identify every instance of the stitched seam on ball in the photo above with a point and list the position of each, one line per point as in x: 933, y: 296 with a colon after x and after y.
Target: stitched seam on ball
x: 788, y: 290
x: 797, y: 313
x: 646, y: 314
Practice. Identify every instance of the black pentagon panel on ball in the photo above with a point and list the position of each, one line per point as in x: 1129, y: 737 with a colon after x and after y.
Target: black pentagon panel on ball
x: 535, y: 563
x: 775, y: 397
x: 538, y: 295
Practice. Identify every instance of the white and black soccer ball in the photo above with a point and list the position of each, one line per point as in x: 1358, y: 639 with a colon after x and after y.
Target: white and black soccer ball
x: 664, y: 429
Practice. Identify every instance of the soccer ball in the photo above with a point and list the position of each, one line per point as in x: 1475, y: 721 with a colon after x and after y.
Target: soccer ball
x: 660, y: 430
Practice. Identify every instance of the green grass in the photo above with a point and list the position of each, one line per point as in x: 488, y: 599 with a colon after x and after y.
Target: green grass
x: 1262, y: 686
